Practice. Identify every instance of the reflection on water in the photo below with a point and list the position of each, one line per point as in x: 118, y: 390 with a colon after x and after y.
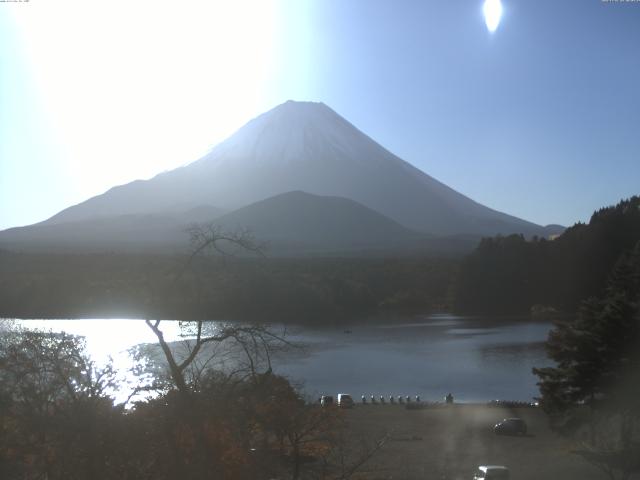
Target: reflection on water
x: 121, y: 341
x: 476, y: 359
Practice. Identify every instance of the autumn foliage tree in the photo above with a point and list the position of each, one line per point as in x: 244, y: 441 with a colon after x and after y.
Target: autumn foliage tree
x: 54, y: 407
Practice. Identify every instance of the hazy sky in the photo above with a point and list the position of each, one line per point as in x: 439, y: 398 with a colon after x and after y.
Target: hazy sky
x: 539, y: 119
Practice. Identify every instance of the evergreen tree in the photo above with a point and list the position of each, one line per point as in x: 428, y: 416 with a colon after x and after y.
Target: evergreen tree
x: 598, y: 363
x: 597, y: 352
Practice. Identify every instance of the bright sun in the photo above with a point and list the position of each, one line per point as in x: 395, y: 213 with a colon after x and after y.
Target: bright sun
x: 492, y: 13
x: 135, y: 88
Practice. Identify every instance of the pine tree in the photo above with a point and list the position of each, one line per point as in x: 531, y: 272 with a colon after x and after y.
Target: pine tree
x: 597, y: 351
x: 597, y: 359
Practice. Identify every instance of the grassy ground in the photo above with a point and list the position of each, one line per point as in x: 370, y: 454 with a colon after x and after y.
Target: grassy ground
x: 449, y: 442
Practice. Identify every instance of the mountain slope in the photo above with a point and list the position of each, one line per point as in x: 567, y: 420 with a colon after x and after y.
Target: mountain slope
x: 130, y: 232
x: 293, y: 223
x: 133, y: 231
x: 308, y: 147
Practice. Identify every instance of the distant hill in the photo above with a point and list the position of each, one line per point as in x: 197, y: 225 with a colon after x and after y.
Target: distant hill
x: 300, y: 222
x: 552, y: 231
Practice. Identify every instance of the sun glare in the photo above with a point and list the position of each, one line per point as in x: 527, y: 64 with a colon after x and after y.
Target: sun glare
x: 135, y: 88
x: 492, y: 13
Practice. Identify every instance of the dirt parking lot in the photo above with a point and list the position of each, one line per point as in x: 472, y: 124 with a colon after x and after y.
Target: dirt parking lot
x: 449, y: 442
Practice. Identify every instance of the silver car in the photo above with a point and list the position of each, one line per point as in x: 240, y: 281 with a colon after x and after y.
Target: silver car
x: 491, y: 472
x: 345, y: 400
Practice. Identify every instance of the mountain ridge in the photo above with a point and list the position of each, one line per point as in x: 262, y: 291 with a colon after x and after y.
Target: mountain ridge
x: 304, y: 146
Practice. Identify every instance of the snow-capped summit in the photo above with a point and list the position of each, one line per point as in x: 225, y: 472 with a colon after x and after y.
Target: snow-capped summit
x: 293, y: 132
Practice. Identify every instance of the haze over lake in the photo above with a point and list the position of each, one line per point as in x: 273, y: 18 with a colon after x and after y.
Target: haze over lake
x: 425, y: 355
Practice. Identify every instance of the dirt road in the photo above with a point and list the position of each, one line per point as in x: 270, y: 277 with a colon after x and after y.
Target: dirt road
x: 448, y: 442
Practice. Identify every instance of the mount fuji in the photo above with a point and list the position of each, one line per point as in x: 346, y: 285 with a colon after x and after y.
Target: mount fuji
x: 295, y: 147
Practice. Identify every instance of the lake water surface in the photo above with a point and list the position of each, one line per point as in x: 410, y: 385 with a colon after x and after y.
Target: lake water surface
x: 476, y: 359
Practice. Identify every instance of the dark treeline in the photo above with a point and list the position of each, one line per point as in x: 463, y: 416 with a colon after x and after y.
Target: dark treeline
x: 156, y: 286
x: 511, y: 274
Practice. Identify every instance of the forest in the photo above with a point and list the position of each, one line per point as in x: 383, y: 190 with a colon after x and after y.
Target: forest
x: 513, y: 275
x: 213, y: 287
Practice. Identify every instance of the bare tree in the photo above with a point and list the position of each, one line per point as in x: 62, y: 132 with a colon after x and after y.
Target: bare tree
x: 301, y: 431
x: 256, y: 341
x: 211, y: 237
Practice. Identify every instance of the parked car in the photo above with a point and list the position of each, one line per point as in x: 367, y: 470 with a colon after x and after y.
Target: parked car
x: 345, y: 400
x: 326, y: 400
x: 491, y: 472
x: 510, y: 426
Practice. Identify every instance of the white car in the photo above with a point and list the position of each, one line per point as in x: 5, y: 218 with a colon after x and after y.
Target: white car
x: 491, y: 472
